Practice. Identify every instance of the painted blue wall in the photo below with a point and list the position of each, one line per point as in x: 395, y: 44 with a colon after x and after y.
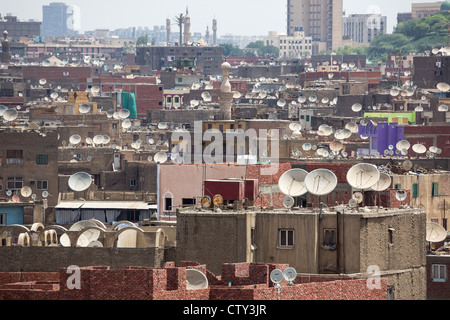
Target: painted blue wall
x: 14, y: 215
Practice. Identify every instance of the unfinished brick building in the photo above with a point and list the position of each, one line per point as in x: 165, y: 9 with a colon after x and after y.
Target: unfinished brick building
x: 244, y: 281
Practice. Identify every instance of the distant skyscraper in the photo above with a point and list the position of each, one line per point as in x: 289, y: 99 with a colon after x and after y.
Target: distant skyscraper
x: 320, y: 19
x: 214, y: 27
x: 362, y: 28
x: 58, y: 20
x: 168, y: 30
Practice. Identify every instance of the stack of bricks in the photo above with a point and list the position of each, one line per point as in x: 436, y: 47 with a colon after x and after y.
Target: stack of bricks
x: 249, y: 281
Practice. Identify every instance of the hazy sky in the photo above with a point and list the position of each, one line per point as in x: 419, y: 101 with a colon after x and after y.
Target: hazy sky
x: 239, y: 17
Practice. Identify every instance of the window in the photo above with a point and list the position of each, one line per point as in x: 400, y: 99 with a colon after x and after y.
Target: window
x: 42, y: 159
x: 133, y: 182
x: 435, y: 190
x: 14, y: 183
x: 188, y: 202
x: 14, y: 157
x: 286, y: 238
x: 253, y: 236
x: 3, y: 219
x: 390, y: 293
x: 329, y: 237
x: 42, y: 185
x: 391, y: 236
x: 397, y: 186
x: 439, y: 272
x: 168, y: 204
x: 415, y: 190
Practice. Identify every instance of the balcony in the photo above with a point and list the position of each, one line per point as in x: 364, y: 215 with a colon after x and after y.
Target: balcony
x: 14, y: 162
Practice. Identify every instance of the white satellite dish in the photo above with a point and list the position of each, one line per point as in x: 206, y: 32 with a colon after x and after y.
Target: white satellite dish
x: 45, y: 194
x: 82, y: 241
x: 33, y: 126
x: 401, y: 195
x: 65, y: 240
x: 321, y: 182
x: 10, y: 115
x: 443, y: 108
x: 84, y: 108
x: 196, y: 280
x: 26, y: 192
x: 9, y: 193
x: 75, y: 139
x: 336, y: 146
x: 353, y: 127
x: 98, y: 139
x: 383, y: 184
x: 124, y: 114
x: 292, y: 183
x: 444, y: 87
x: 276, y: 276
x: 126, y: 124
x: 353, y: 203
x: 106, y: 139
x: 95, y: 244
x: 160, y: 157
x: 288, y: 202
x: 162, y: 126
x: 80, y: 181
x: 419, y: 148
x: 290, y: 274
x: 295, y: 127
x: 407, y: 165
x: 307, y: 147
x: 435, y: 232
x: 363, y: 176
x: 358, y: 196
x: 357, y: 107
x: 403, y: 144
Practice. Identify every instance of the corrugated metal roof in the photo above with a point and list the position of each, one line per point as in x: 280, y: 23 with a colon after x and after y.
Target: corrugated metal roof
x: 121, y: 205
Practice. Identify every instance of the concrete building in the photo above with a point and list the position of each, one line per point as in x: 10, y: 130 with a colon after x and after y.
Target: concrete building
x: 429, y: 71
x: 339, y: 241
x: 295, y: 46
x: 320, y: 19
x: 425, y: 9
x: 18, y: 30
x: 363, y: 28
x: 58, y: 20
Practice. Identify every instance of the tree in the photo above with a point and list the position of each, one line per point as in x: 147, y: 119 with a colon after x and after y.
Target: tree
x: 383, y: 45
x: 230, y: 50
x: 180, y: 22
x: 142, y: 40
x: 264, y: 50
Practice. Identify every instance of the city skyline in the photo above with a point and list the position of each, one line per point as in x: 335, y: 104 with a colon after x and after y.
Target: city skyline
x: 263, y: 20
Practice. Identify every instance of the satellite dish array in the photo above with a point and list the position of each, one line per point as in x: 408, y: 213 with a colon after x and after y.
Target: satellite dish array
x: 277, y: 276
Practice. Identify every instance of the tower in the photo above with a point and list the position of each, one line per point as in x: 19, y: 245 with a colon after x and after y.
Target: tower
x: 207, y: 35
x: 214, y: 32
x: 6, y: 55
x: 168, y: 30
x: 225, y: 95
x: 187, y: 27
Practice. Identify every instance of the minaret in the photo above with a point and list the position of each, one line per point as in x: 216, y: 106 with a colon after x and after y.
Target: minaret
x: 5, y: 57
x: 225, y: 95
x: 187, y: 27
x: 214, y: 27
x: 168, y: 30
x: 207, y: 35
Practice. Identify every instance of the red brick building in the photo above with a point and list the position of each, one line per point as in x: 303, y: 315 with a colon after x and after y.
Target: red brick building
x: 244, y: 281
x: 438, y: 286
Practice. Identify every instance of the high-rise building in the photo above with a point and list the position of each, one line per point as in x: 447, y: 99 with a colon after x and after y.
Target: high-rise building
x: 58, y: 20
x: 320, y: 19
x: 362, y: 28
x: 20, y: 29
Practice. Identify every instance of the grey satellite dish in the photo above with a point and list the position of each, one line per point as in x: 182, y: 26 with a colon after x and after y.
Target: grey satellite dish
x: 435, y: 232
x: 80, y: 181
x: 288, y: 202
x: 26, y: 192
x: 95, y: 244
x: 321, y: 182
x: 33, y: 196
x: 196, y: 280
x: 276, y: 276
x: 45, y: 194
x: 383, y: 184
x: 290, y: 274
x: 292, y: 183
x: 160, y: 157
x: 353, y: 203
x: 363, y: 176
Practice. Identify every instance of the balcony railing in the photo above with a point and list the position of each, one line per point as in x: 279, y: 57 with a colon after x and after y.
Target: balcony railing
x: 14, y: 162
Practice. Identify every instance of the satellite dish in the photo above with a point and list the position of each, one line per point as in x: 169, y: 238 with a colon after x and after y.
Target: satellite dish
x: 206, y: 202
x: 383, y: 184
x: 65, y: 240
x: 444, y: 87
x: 196, y: 280
x: 217, y: 200
x: 401, y: 195
x: 276, y: 276
x: 443, y: 108
x: 290, y: 275
x: 353, y: 127
x: 45, y: 194
x: 84, y: 108
x: 26, y: 192
x: 288, y: 202
x: 358, y: 196
x: 106, y: 139
x: 162, y: 126
x: 9, y: 193
x: 124, y: 114
x: 10, y: 115
x: 336, y: 146
x: 363, y: 176
x: 357, y: 107
x: 292, y: 183
x: 126, y: 124
x: 295, y: 127
x: 95, y: 244
x: 80, y: 181
x: 15, y: 199
x: 435, y: 232
x: 419, y: 148
x: 33, y: 126
x: 33, y: 196
x: 160, y: 157
x: 75, y: 139
x: 98, y: 139
x: 403, y: 144
x: 321, y: 182
x: 353, y: 203
x: 407, y: 165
